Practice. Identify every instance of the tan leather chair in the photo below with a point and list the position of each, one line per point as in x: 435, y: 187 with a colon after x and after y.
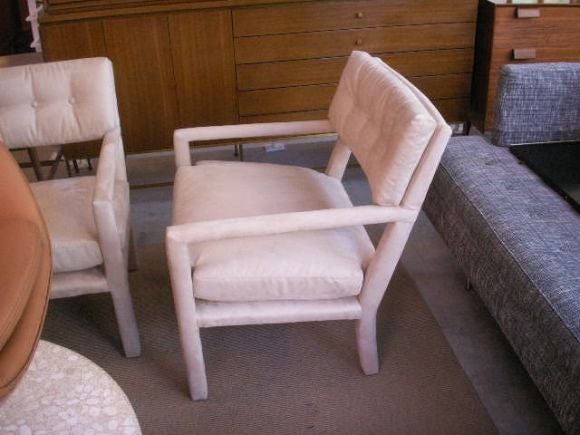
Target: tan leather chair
x: 258, y: 243
x: 25, y: 272
x: 74, y: 101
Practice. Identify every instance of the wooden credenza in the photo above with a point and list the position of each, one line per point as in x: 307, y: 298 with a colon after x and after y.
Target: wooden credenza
x: 514, y: 32
x: 221, y: 62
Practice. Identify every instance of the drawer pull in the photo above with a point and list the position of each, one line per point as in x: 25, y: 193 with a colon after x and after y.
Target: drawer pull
x: 527, y: 13
x: 359, y: 15
x: 524, y: 53
x: 358, y: 42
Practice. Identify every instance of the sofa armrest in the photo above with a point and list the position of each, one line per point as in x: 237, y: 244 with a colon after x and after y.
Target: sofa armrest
x: 537, y: 103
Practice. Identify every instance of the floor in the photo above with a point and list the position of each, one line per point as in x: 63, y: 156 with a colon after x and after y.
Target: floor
x: 513, y: 402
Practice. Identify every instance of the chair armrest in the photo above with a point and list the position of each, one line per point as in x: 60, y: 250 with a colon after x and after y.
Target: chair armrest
x: 110, y: 172
x: 287, y: 222
x: 183, y: 136
x: 111, y: 166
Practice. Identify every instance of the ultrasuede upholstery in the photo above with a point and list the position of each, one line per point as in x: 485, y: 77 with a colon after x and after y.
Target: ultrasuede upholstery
x: 88, y: 218
x: 318, y: 265
x: 73, y: 234
x: 516, y: 239
x: 25, y: 272
x: 384, y: 127
x: 56, y: 103
x: 300, y: 220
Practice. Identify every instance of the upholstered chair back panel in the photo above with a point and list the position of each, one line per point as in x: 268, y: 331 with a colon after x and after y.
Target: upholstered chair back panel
x: 384, y: 124
x: 57, y: 103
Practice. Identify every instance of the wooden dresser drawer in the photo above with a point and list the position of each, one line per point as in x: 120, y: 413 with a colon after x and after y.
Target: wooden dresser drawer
x: 319, y: 16
x: 312, y: 45
x: 300, y: 98
x: 540, y: 54
x: 452, y: 109
x: 444, y: 86
x: 284, y: 117
x: 537, y: 19
x: 306, y: 98
x: 328, y: 70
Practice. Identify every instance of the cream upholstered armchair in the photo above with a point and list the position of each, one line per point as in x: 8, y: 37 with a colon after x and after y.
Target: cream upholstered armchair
x: 39, y: 380
x: 87, y: 217
x: 274, y: 244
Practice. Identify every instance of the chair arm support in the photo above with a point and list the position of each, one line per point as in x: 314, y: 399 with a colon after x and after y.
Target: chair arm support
x: 106, y: 170
x: 110, y: 171
x: 182, y: 137
x: 287, y: 222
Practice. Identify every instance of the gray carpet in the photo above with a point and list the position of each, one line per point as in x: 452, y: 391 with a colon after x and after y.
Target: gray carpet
x: 273, y: 379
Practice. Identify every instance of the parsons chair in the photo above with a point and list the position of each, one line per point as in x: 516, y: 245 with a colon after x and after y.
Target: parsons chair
x: 255, y: 243
x: 66, y: 102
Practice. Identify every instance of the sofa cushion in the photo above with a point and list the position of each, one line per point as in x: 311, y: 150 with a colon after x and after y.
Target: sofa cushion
x: 66, y: 205
x: 303, y: 265
x: 519, y: 244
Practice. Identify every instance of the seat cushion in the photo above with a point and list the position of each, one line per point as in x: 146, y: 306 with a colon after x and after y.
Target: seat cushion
x: 311, y: 265
x: 66, y: 205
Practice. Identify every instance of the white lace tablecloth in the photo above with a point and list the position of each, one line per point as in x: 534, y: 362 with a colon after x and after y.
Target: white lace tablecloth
x: 65, y: 393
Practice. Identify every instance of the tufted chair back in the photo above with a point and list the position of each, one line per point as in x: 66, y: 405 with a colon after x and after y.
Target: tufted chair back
x: 57, y: 103
x: 385, y: 124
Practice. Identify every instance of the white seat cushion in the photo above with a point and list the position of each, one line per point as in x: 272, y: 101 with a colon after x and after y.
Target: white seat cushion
x: 294, y: 266
x: 66, y: 205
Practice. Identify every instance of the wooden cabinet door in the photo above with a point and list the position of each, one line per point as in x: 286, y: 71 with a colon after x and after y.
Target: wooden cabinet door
x: 203, y: 60
x: 141, y: 53
x: 73, y: 40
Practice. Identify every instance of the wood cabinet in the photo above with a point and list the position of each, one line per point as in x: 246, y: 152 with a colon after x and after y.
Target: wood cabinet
x: 196, y: 63
x: 510, y: 32
x: 203, y: 59
x: 140, y: 50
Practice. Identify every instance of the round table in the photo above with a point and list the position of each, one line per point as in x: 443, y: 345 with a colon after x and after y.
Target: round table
x: 64, y: 392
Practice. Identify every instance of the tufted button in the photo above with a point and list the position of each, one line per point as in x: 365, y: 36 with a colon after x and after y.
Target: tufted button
x: 72, y: 100
x: 34, y: 104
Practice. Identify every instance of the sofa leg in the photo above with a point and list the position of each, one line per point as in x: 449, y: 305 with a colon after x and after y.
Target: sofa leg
x: 366, y: 333
x: 466, y: 128
x: 468, y: 285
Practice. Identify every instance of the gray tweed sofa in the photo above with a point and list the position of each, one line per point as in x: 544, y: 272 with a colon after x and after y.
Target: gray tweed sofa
x: 517, y: 240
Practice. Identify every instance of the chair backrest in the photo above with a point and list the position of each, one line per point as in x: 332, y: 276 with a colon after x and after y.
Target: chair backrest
x: 57, y: 103
x: 387, y: 124
x: 537, y: 102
